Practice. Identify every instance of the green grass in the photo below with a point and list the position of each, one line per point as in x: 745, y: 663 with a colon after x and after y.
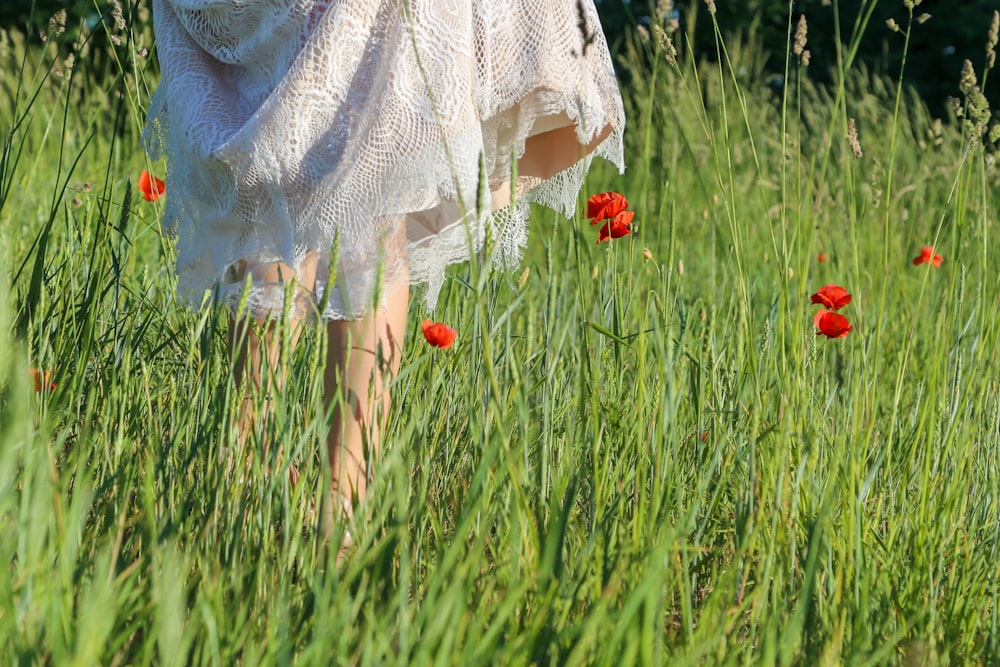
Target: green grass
x: 622, y: 461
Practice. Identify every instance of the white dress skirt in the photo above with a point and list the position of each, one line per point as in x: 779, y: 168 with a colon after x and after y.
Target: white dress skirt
x: 292, y: 126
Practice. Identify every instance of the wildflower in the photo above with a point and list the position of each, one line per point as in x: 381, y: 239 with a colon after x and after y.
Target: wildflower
x: 616, y: 227
x: 42, y: 380
x: 927, y: 256
x: 831, y: 325
x: 821, y: 257
x: 151, y: 186
x: 605, y: 206
x: 438, y: 334
x: 833, y: 297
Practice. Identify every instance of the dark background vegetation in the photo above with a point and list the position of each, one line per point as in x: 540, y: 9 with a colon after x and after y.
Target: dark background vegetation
x: 955, y: 31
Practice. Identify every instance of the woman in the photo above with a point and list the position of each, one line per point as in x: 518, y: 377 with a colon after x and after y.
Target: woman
x: 398, y: 132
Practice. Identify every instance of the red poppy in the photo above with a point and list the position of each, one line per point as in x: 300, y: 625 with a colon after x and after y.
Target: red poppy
x: 150, y: 186
x: 833, y: 297
x: 821, y: 257
x: 42, y: 380
x: 927, y: 256
x: 616, y: 227
x: 438, y: 334
x: 831, y: 325
x: 605, y: 206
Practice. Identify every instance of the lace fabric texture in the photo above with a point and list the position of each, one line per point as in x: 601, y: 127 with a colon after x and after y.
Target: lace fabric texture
x: 290, y: 126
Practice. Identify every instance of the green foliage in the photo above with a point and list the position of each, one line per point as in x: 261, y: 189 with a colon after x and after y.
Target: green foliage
x: 639, y: 454
x: 953, y: 33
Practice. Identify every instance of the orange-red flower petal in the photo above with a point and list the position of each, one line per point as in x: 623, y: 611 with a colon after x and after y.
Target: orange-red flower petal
x: 605, y: 206
x: 832, y: 296
x: 150, y: 186
x: 616, y: 227
x: 831, y: 325
x: 42, y: 380
x: 821, y: 257
x: 928, y: 256
x: 438, y: 334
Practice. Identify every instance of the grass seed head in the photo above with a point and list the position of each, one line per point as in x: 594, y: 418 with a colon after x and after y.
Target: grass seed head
x: 968, y: 82
x: 57, y: 23
x: 852, y: 138
x: 991, y: 40
x: 801, y: 32
x: 976, y: 110
x: 666, y: 43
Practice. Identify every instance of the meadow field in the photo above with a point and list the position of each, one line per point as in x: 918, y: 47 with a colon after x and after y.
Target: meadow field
x: 636, y: 453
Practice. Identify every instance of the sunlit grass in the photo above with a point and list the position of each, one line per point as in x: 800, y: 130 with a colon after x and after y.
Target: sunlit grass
x: 638, y: 452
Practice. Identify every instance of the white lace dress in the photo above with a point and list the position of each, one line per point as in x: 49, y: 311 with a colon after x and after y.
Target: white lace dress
x: 290, y: 126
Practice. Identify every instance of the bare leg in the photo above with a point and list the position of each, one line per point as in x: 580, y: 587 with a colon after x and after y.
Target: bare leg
x: 362, y: 359
x: 548, y: 153
x: 256, y: 346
